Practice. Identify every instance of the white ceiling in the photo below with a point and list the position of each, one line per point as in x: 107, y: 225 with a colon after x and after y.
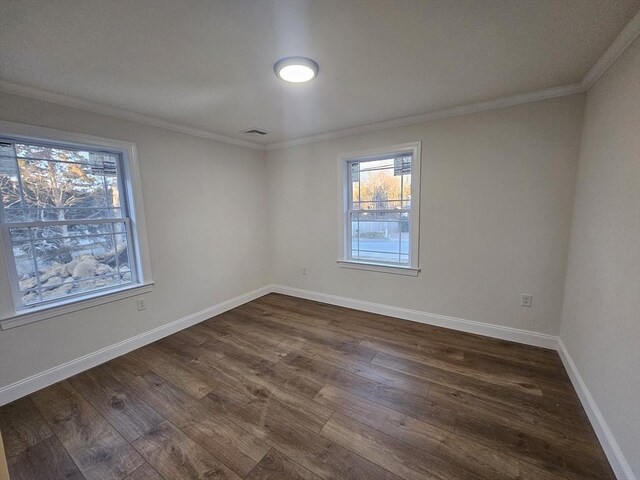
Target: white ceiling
x: 209, y: 64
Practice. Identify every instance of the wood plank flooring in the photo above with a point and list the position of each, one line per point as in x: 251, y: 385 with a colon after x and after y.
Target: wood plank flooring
x: 283, y: 388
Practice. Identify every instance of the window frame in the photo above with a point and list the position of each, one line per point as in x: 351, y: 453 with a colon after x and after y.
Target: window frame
x: 12, y: 313
x: 345, y: 259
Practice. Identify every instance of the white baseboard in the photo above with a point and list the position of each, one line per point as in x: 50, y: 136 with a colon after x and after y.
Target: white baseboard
x: 614, y: 454
x: 609, y: 444
x: 470, y: 326
x: 41, y: 380
x: 616, y: 458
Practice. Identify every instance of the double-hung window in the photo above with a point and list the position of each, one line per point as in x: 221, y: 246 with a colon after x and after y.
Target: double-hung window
x: 67, y: 221
x: 380, y: 209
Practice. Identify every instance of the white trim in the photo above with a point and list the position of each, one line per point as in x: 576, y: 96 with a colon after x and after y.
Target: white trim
x: 56, y: 374
x: 610, y: 446
x: 132, y: 193
x: 619, y: 463
x: 626, y: 37
x: 344, y: 193
x: 378, y: 267
x: 74, y: 102
x: 623, y: 41
x: 466, y: 109
x: 26, y: 316
x: 470, y: 326
x: 89, y: 106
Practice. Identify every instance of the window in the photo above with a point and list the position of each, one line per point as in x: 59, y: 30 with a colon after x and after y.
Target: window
x: 380, y: 209
x: 67, y: 221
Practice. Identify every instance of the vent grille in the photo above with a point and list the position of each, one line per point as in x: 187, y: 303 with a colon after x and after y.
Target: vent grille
x: 255, y: 132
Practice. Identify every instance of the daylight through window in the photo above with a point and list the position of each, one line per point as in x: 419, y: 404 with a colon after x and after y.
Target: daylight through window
x: 65, y: 221
x: 380, y: 194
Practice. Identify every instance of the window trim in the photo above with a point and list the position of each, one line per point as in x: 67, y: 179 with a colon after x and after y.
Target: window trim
x: 344, y: 259
x: 10, y: 316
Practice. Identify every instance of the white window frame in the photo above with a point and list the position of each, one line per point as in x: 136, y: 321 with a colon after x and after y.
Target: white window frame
x: 344, y: 160
x: 12, y: 316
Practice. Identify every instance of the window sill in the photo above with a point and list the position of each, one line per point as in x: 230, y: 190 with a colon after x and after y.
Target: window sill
x: 379, y: 267
x: 37, y: 314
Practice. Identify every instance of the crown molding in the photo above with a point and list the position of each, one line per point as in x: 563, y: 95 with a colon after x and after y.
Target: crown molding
x: 626, y: 37
x: 502, y: 102
x: 623, y: 41
x: 74, y: 102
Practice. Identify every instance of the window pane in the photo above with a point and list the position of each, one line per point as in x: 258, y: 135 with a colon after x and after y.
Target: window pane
x: 66, y: 231
x: 380, y: 237
x: 9, y: 186
x: 381, y: 184
x: 54, y: 184
x: 70, y: 259
x: 26, y: 272
x: 379, y: 205
x: 406, y: 191
x: 75, y: 239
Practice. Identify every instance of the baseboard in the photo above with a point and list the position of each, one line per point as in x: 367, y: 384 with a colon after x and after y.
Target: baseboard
x: 616, y: 458
x: 609, y: 444
x: 41, y: 380
x: 470, y: 326
x: 614, y: 454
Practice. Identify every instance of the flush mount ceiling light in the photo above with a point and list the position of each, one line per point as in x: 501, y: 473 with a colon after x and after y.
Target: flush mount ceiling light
x: 296, y: 69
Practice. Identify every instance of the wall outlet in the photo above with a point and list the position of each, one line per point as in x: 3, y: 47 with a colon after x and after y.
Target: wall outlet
x: 142, y: 305
x: 526, y: 300
x: 304, y: 271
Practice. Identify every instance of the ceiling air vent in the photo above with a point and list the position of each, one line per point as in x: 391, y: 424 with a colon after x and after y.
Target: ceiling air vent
x: 255, y: 132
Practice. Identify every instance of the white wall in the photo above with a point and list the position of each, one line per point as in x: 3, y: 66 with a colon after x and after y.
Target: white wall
x: 497, y: 191
x: 205, y: 213
x: 601, y: 316
x: 497, y: 194
x: 497, y: 200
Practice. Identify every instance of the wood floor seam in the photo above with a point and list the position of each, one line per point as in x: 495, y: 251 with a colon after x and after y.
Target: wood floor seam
x: 62, y: 444
x: 288, y: 389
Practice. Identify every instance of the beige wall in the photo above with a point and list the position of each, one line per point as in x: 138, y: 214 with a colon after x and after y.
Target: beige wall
x: 601, y: 316
x: 205, y: 214
x: 497, y: 200
x: 497, y: 190
x: 497, y: 194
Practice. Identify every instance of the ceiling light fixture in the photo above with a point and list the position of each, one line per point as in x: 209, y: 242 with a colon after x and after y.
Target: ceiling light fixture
x: 296, y: 69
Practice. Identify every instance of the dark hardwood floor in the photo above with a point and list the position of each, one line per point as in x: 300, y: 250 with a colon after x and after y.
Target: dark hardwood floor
x: 283, y: 388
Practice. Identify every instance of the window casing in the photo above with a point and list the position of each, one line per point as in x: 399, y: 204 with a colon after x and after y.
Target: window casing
x: 380, y: 209
x: 70, y: 223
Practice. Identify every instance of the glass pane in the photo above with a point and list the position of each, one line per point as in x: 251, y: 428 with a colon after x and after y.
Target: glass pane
x: 56, y: 184
x: 9, y: 186
x: 65, y: 191
x: 67, y: 231
x: 381, y: 184
x: 380, y: 237
x: 376, y: 164
x: 378, y: 205
x: 59, y: 189
x: 89, y: 284
x: 51, y: 153
x: 70, y: 259
x: 123, y: 259
x: 406, y: 191
x: 26, y: 273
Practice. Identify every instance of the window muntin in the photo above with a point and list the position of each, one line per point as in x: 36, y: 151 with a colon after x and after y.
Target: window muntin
x: 65, y: 221
x: 378, y: 209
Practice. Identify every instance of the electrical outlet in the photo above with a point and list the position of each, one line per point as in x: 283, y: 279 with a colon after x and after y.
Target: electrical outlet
x: 526, y: 300
x: 304, y: 271
x: 142, y: 305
